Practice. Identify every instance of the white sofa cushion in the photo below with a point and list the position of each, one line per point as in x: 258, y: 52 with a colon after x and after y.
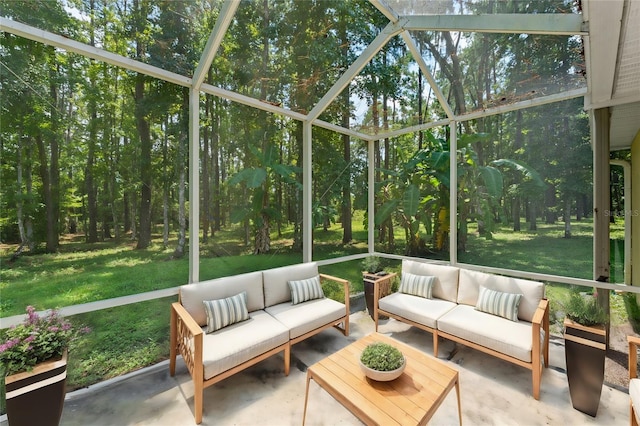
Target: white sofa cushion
x: 471, y: 281
x: 446, y: 284
x: 276, y: 288
x: 415, y: 308
x: 493, y: 332
x: 240, y: 342
x: 192, y: 295
x: 307, y: 316
x: 634, y: 395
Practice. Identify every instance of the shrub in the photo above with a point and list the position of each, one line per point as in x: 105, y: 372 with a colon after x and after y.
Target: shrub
x: 584, y: 309
x: 382, y: 357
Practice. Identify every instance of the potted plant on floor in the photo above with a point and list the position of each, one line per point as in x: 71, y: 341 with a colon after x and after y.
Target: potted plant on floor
x: 585, y: 350
x: 33, y: 361
x: 373, y: 271
x: 382, y: 362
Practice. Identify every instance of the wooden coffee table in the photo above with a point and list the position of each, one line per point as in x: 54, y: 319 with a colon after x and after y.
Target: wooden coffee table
x: 411, y: 399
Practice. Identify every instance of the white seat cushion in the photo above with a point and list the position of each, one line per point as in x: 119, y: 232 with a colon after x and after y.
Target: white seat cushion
x: 493, y: 332
x: 634, y: 394
x: 240, y: 342
x: 307, y: 316
x: 415, y: 308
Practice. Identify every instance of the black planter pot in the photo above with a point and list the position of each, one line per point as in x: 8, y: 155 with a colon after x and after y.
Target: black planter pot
x: 369, y: 282
x: 585, y: 351
x: 37, y: 397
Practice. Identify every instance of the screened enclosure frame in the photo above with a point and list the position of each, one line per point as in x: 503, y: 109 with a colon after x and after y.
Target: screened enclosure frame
x: 570, y: 24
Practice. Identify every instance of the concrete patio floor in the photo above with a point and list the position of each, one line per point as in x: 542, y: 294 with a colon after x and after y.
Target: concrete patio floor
x: 493, y: 392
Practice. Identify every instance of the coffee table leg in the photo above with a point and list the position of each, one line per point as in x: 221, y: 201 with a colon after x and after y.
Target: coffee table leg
x: 306, y: 397
x: 458, y: 395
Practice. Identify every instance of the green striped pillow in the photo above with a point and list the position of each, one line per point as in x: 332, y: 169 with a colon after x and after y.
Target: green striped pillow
x: 499, y: 303
x: 417, y: 285
x: 224, y: 312
x: 303, y: 290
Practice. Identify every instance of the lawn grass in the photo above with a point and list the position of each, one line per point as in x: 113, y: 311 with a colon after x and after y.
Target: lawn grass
x: 130, y: 337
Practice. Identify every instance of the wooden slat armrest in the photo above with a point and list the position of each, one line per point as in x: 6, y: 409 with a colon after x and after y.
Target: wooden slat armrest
x: 634, y: 344
x: 541, y: 312
x: 187, y: 319
x: 342, y: 281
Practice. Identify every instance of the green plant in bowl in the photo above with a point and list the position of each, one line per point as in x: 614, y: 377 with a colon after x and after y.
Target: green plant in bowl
x: 382, y: 357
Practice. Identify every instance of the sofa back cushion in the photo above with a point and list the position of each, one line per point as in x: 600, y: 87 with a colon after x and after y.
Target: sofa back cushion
x: 532, y: 291
x: 276, y: 287
x: 445, y: 285
x: 192, y: 295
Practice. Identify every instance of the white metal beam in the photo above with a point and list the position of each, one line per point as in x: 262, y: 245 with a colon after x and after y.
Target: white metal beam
x: 413, y: 129
x: 516, y: 23
x: 346, y: 78
x: 453, y: 193
x: 417, y: 56
x: 307, y: 192
x: 194, y: 185
x: 227, y: 11
x: 387, y: 11
x: 576, y: 93
x: 562, y: 96
x: 51, y: 39
x: 601, y: 48
x: 371, y: 197
x: 344, y: 131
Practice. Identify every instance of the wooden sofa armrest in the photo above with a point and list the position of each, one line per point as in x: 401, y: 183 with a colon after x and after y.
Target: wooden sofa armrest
x: 634, y: 344
x: 342, y: 281
x: 186, y: 339
x: 376, y: 286
x: 541, y: 316
x: 541, y: 320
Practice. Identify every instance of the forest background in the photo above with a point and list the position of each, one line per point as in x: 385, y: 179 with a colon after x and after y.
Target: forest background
x: 94, y: 166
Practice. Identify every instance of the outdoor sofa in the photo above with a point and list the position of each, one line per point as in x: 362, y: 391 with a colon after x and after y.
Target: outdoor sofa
x: 251, y: 317
x: 502, y: 316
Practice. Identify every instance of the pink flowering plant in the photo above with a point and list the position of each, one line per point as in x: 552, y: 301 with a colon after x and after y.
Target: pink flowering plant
x: 36, y: 340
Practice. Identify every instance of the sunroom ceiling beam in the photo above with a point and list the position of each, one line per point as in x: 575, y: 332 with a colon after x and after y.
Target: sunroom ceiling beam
x: 357, y: 66
x: 227, y: 11
x: 571, y: 94
x: 417, y: 55
x: 518, y: 23
x: 529, y: 103
x: 51, y: 39
x: 384, y: 8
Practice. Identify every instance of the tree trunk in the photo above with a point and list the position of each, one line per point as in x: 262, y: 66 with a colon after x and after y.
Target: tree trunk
x: 515, y: 207
x: 182, y: 171
x: 567, y: 216
x: 165, y: 184
x: 205, y: 189
x: 146, y: 174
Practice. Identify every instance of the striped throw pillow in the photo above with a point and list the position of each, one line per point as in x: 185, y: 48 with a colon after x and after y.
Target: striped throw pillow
x: 227, y: 311
x: 417, y: 285
x: 499, y: 303
x: 303, y: 290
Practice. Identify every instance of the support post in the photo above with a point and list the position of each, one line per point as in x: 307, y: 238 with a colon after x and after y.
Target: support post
x: 453, y: 193
x: 307, y: 193
x: 194, y: 185
x: 601, y: 203
x: 371, y: 197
